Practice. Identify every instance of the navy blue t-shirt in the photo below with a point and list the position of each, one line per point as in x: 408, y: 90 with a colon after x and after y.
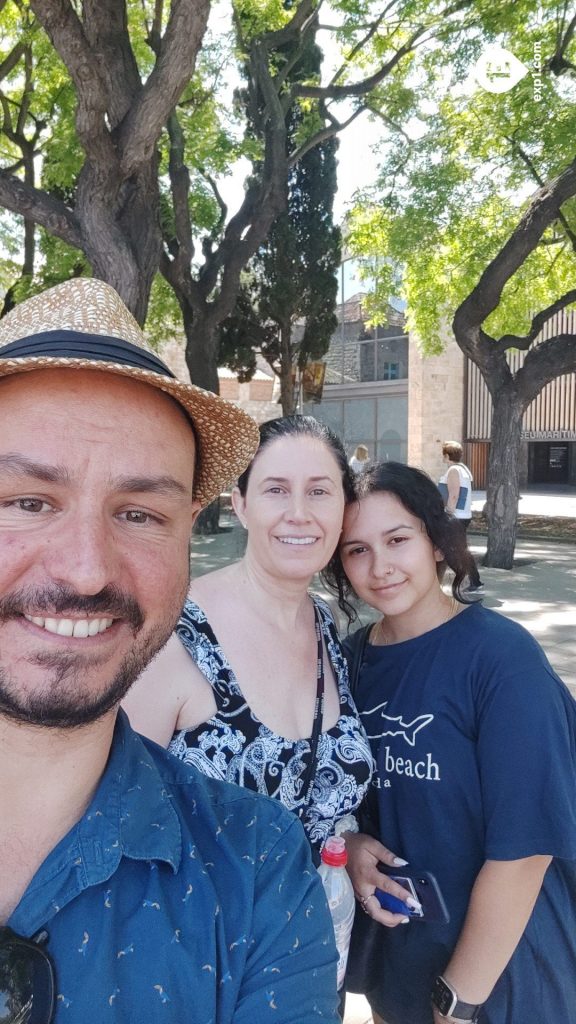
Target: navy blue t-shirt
x: 474, y: 736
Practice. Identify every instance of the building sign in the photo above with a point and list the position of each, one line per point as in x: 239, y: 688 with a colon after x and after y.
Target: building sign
x: 548, y: 435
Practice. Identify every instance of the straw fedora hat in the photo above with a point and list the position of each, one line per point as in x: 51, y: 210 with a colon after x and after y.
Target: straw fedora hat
x: 84, y: 324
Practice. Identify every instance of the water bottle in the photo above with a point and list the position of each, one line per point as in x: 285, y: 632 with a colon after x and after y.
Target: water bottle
x: 340, y: 896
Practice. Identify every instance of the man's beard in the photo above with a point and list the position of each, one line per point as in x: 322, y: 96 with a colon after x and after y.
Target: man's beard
x: 67, y: 703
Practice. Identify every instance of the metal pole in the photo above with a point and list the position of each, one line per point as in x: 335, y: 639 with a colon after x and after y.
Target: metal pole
x: 342, y: 338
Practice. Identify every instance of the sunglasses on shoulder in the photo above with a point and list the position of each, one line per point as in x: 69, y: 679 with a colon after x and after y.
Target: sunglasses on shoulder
x: 26, y: 979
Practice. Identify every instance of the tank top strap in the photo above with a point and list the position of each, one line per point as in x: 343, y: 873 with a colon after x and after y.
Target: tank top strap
x: 201, y: 642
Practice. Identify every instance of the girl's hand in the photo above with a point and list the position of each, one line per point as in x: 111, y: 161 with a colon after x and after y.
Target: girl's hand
x: 364, y: 855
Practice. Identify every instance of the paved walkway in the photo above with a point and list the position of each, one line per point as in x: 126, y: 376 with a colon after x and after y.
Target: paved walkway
x: 538, y: 502
x: 539, y: 592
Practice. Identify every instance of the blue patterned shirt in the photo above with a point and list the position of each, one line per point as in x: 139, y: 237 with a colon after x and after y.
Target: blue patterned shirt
x: 180, y: 898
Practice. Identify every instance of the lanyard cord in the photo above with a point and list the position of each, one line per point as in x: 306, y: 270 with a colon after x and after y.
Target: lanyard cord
x: 318, y: 716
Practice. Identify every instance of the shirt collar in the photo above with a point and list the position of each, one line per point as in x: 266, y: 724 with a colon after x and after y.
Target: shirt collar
x: 131, y: 815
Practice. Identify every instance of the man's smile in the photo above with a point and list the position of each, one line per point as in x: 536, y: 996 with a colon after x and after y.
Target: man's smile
x: 80, y: 628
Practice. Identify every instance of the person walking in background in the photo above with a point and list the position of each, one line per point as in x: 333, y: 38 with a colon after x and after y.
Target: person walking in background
x: 455, y: 486
x: 360, y: 459
x: 253, y: 687
x: 474, y: 737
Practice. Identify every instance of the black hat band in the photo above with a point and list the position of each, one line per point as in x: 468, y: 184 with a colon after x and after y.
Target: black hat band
x: 96, y: 348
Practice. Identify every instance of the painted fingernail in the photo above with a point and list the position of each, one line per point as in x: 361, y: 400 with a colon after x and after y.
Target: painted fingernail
x: 412, y: 903
x: 405, y: 920
x: 399, y: 863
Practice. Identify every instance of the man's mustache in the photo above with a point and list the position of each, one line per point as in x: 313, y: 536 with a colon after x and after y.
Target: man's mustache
x: 56, y: 599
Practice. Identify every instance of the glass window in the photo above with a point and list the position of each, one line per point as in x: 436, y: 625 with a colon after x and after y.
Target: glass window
x: 391, y: 447
x: 392, y: 417
x: 330, y: 413
x: 389, y: 371
x: 359, y: 420
x: 384, y: 359
x: 367, y: 360
x: 392, y: 359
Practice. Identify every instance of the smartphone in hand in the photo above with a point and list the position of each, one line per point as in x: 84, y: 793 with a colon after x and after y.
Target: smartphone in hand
x: 423, y: 887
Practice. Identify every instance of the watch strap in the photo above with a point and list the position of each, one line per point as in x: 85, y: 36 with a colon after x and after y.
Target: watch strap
x: 446, y: 1001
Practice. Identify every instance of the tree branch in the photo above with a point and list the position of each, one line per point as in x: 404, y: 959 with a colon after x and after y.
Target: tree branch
x: 289, y: 65
x: 367, y: 84
x: 334, y: 91
x: 10, y: 62
x: 182, y: 40
x: 523, y: 342
x: 543, y: 363
x: 41, y: 208
x: 262, y: 202
x: 221, y: 204
x: 106, y: 28
x: 305, y: 10
x: 387, y: 121
x: 322, y: 136
x: 180, y: 188
x: 62, y: 25
x: 185, y: 288
x: 484, y: 298
x: 558, y: 63
x: 528, y: 162
x: 372, y: 29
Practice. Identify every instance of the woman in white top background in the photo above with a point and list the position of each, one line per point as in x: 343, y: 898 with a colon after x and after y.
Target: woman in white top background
x: 455, y: 487
x: 360, y: 460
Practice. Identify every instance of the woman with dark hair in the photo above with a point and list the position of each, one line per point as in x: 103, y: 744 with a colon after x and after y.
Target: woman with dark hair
x: 253, y: 686
x: 474, y: 737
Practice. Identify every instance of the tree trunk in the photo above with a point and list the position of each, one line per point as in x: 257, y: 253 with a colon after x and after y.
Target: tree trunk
x: 288, y: 398
x: 121, y: 231
x: 208, y: 522
x: 504, y: 478
x: 202, y: 345
x: 202, y: 362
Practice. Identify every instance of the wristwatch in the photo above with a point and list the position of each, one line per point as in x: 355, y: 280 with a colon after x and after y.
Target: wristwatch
x: 446, y: 1001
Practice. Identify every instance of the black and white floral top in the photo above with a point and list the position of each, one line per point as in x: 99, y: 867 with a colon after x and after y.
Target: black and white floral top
x: 235, y: 746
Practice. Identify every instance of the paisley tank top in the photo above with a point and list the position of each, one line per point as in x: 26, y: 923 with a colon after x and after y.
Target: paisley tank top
x: 235, y: 746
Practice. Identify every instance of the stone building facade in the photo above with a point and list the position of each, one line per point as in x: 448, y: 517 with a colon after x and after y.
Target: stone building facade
x: 258, y: 397
x: 365, y: 397
x: 382, y: 392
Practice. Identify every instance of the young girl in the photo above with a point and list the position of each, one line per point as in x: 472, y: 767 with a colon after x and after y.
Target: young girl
x: 474, y: 736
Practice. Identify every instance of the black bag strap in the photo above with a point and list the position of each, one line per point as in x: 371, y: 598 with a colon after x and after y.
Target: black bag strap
x: 308, y: 783
x: 357, y: 657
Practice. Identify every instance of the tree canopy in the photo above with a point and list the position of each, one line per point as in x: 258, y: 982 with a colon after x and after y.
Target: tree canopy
x: 448, y: 197
x: 285, y: 307
x: 137, y: 109
x: 474, y: 219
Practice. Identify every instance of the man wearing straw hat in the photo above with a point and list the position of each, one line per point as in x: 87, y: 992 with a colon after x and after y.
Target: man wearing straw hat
x: 131, y: 888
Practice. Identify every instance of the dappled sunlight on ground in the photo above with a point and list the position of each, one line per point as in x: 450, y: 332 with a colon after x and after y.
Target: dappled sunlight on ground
x: 539, y: 592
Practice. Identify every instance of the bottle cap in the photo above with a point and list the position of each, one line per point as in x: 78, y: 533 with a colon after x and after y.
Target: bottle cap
x: 334, y: 852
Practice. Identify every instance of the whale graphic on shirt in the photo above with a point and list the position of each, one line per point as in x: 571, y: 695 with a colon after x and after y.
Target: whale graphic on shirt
x: 397, y: 727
